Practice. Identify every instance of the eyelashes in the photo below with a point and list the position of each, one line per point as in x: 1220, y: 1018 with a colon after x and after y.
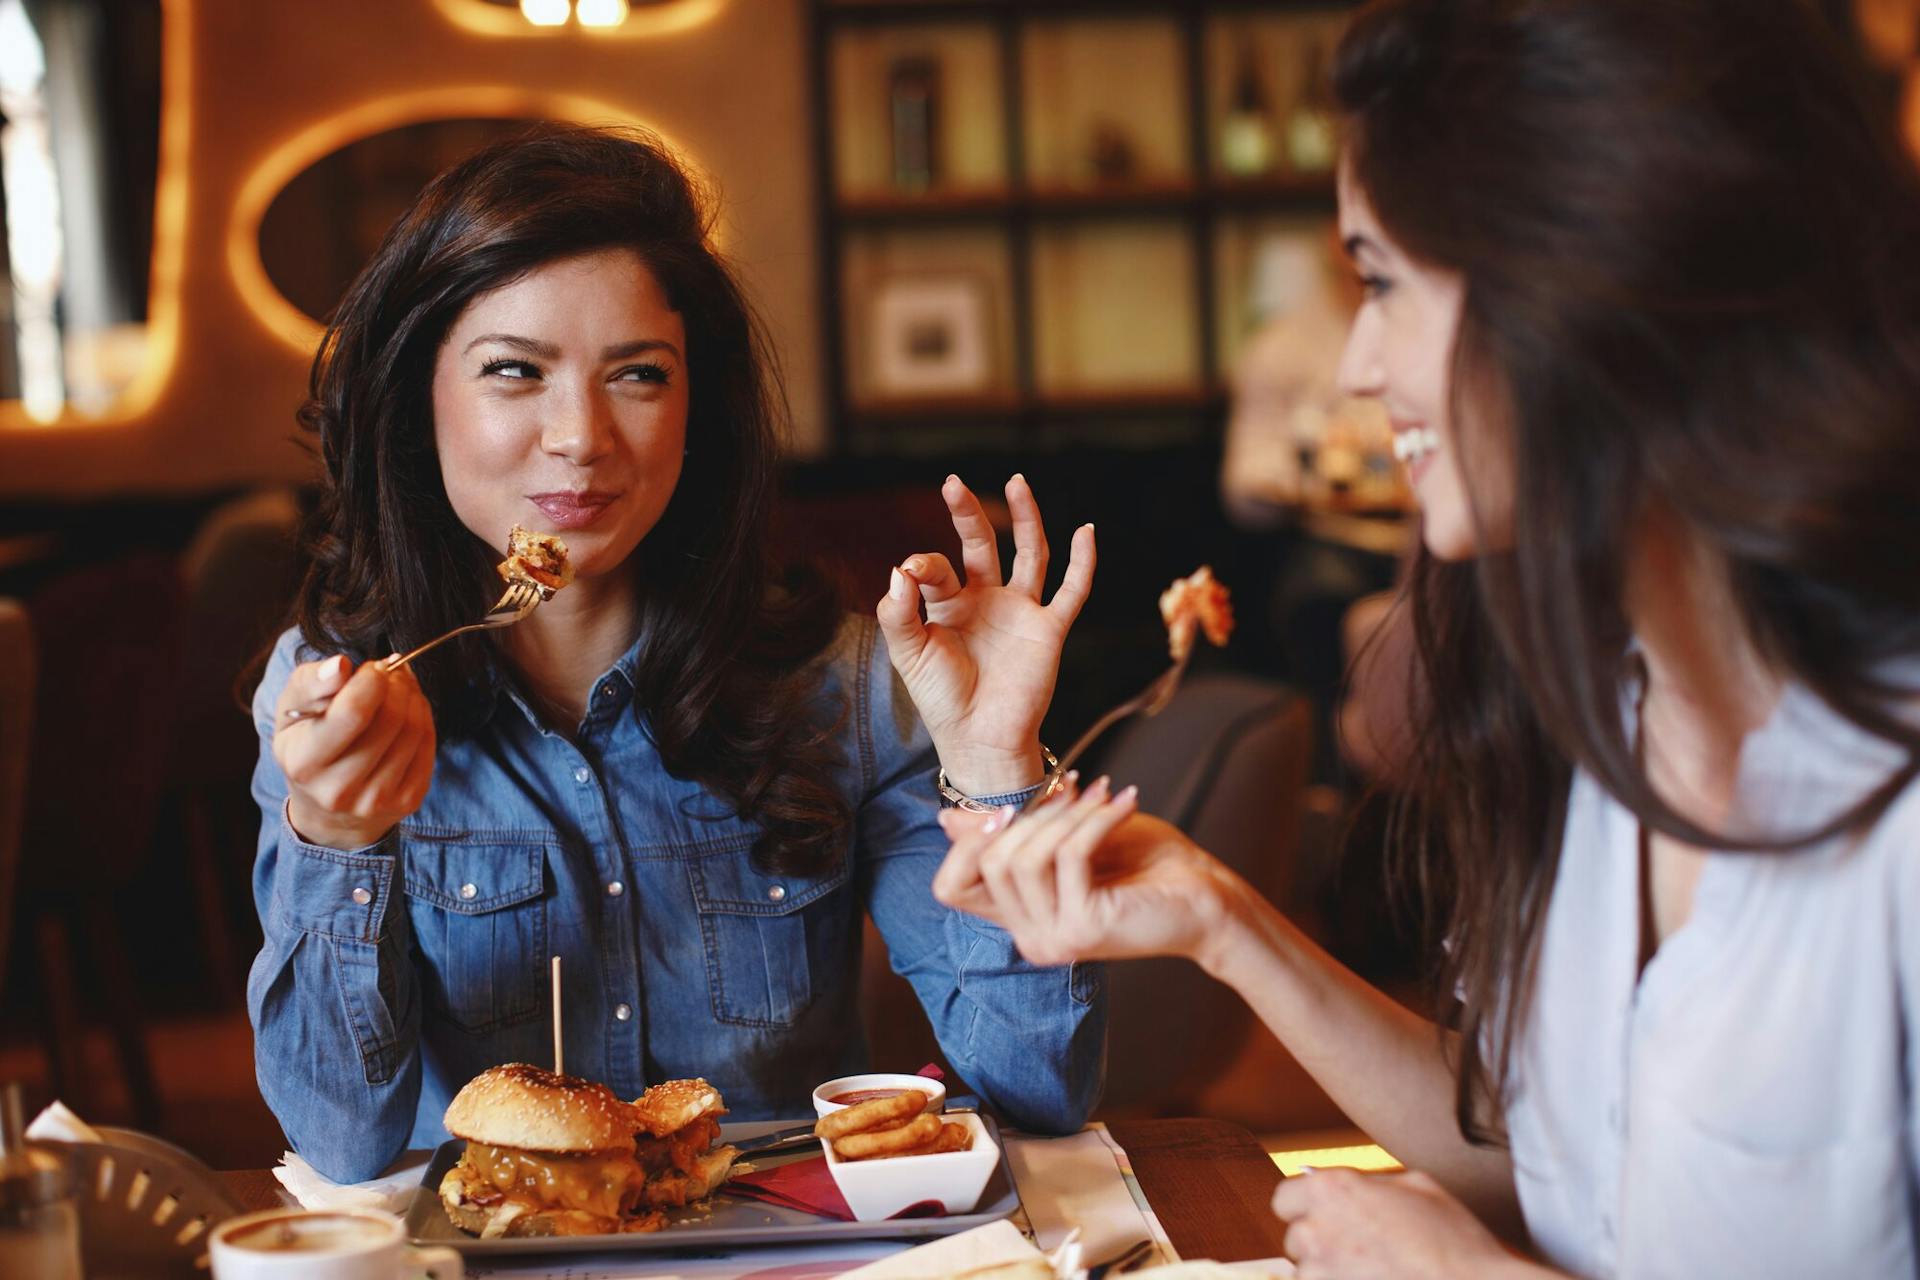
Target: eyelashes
x: 524, y: 371
x: 1374, y: 286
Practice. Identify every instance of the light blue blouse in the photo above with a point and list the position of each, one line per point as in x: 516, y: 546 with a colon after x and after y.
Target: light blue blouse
x: 1746, y: 1106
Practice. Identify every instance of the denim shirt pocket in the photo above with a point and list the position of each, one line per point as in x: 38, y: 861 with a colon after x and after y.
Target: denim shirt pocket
x: 764, y: 934
x: 478, y: 906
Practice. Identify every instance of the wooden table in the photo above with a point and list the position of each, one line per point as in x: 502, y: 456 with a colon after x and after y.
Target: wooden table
x: 1208, y: 1181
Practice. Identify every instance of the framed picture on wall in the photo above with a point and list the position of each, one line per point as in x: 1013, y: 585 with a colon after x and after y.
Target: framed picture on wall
x: 930, y: 335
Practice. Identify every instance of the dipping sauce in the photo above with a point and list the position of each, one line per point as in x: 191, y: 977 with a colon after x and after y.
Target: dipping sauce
x: 866, y: 1095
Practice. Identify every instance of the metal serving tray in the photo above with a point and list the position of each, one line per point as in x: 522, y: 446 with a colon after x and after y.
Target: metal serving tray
x: 728, y: 1222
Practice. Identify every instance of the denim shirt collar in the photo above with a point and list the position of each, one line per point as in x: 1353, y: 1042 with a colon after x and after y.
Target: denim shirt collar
x: 612, y: 689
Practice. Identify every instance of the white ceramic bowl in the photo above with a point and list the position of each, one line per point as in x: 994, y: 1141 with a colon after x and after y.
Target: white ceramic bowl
x: 823, y: 1096
x: 879, y: 1189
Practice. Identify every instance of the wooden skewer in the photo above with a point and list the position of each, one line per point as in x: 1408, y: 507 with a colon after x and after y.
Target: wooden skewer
x: 559, y: 1057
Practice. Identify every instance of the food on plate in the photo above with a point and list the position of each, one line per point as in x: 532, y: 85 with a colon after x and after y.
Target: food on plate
x: 888, y: 1140
x: 678, y: 1123
x: 1197, y: 600
x: 555, y: 1155
x: 536, y: 557
x: 875, y: 1113
x: 893, y: 1125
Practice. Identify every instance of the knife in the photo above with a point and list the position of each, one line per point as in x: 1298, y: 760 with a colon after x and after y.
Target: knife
x: 778, y: 1140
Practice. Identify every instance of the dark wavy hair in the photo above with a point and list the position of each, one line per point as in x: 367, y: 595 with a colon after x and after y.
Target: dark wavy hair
x: 1691, y: 256
x: 729, y: 679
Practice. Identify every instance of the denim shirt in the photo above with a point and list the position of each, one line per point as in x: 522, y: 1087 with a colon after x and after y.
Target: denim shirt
x: 393, y: 974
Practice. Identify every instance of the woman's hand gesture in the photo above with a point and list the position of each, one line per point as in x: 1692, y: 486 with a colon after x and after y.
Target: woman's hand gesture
x: 1086, y: 877
x: 360, y: 766
x: 981, y: 666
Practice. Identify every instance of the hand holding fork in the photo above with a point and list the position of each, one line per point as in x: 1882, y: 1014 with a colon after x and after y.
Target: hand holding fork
x: 357, y: 746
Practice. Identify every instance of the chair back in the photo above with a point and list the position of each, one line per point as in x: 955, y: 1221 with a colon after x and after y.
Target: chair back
x: 1227, y: 761
x: 17, y: 668
x: 108, y: 637
x: 239, y: 575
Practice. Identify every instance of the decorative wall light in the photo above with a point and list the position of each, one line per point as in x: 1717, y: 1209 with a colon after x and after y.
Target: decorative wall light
x: 294, y: 155
x: 537, y: 18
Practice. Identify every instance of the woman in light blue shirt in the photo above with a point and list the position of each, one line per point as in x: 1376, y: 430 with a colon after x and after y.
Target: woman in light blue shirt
x: 688, y: 773
x: 1643, y: 302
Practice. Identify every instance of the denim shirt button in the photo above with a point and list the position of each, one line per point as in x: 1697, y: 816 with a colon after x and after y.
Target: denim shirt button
x: 467, y: 891
x: 615, y: 888
x: 608, y: 692
x: 776, y: 893
x: 362, y: 895
x: 583, y: 775
x: 622, y: 1012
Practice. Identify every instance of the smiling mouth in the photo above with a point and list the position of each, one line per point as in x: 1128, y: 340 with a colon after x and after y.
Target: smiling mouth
x: 1414, y: 444
x: 572, y: 510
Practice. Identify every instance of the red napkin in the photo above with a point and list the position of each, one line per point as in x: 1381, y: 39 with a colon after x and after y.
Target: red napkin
x: 808, y: 1185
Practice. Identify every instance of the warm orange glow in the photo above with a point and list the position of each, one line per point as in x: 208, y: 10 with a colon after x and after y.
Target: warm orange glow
x: 289, y: 157
x: 601, y: 13
x: 648, y: 20
x: 544, y: 13
x: 170, y: 202
x: 1365, y: 1157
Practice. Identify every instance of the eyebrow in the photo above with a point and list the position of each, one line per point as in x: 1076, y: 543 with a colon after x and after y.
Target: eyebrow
x: 547, y: 351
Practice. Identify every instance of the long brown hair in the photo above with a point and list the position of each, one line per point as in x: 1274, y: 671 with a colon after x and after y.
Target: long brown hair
x: 1692, y: 283
x: 729, y: 677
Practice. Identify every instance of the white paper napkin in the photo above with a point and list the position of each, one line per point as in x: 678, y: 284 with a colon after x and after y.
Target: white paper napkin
x: 57, y: 1123
x: 995, y: 1244
x: 1082, y: 1181
x: 392, y: 1191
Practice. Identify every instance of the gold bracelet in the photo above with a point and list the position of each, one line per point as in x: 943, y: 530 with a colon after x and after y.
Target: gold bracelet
x: 959, y: 800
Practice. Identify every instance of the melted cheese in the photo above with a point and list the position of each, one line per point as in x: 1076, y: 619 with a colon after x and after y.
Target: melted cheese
x: 602, y: 1182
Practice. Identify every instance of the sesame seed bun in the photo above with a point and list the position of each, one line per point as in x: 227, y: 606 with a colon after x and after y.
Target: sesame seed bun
x: 518, y: 1105
x: 672, y: 1105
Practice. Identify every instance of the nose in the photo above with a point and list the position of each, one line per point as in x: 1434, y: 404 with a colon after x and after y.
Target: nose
x: 1362, y: 371
x: 578, y: 427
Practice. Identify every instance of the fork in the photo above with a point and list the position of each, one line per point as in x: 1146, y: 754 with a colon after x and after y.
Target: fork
x: 1150, y: 701
x: 515, y: 603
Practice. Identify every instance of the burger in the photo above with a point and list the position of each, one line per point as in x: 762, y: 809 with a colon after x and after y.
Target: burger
x: 678, y: 1122
x: 555, y: 1155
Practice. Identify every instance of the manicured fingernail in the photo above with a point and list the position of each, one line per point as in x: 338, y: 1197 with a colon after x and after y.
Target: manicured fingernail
x: 1018, y: 476
x: 1103, y: 783
x: 897, y: 585
x: 1088, y: 526
x: 1307, y: 1168
x: 1129, y: 795
x: 953, y: 479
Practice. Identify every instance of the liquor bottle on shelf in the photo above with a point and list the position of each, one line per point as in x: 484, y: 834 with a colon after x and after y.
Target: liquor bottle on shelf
x: 1312, y: 141
x: 913, y: 96
x: 1246, y: 135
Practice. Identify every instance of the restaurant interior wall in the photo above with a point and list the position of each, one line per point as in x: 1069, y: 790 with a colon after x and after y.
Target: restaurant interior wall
x: 246, y: 85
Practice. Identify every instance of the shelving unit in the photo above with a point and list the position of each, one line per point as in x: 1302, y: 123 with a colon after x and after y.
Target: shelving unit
x: 1099, y: 312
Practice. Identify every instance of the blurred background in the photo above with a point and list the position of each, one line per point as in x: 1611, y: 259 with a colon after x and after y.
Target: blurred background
x: 1090, y: 241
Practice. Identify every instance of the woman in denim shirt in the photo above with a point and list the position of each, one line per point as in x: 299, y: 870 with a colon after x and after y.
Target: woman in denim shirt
x: 687, y: 774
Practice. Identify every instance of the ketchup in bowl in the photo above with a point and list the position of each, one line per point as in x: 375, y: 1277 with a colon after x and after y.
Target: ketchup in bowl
x: 863, y: 1095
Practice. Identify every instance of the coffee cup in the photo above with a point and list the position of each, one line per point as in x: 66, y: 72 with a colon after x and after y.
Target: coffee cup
x: 324, y: 1244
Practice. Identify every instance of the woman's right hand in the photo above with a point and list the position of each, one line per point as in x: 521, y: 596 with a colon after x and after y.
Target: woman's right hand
x: 1086, y: 877
x: 363, y: 764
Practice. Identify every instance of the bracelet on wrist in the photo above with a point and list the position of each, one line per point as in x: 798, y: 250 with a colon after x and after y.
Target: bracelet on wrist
x: 960, y: 800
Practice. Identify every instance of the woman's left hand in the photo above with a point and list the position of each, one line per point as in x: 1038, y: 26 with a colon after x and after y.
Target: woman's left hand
x: 981, y: 666
x: 1346, y: 1225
